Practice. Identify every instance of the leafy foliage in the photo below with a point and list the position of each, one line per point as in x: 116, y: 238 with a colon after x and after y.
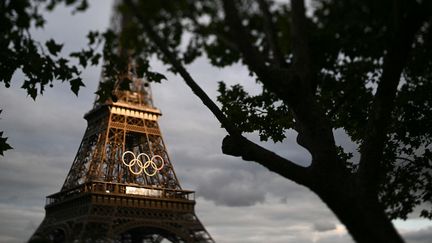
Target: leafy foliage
x: 349, y: 41
x: 264, y: 113
x: 40, y: 64
x: 3, y: 144
x: 348, y: 81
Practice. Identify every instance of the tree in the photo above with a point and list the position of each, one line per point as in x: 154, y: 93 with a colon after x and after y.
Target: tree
x: 40, y: 63
x: 362, y: 66
x: 316, y: 76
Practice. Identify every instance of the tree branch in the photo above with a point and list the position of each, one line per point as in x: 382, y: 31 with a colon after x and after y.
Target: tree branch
x: 404, y: 30
x: 225, y: 40
x: 252, y: 56
x: 276, y: 79
x: 300, y: 42
x: 292, y: 85
x: 407, y: 160
x: 235, y: 144
x: 249, y: 151
x: 315, y: 131
x: 271, y: 34
x: 161, y: 44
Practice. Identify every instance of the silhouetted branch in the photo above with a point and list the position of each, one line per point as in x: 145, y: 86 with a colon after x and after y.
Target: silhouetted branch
x: 252, y: 56
x: 271, y: 34
x: 161, y: 44
x: 404, y: 29
x: 300, y: 42
x: 235, y: 144
x: 291, y: 85
x: 249, y: 151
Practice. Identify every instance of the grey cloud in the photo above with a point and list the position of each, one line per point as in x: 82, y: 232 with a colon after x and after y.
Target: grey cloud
x: 344, y: 238
x: 271, y: 221
x: 419, y: 236
x: 233, y: 188
x: 18, y: 222
x: 72, y: 28
x: 26, y: 179
x: 231, y: 181
x: 322, y: 226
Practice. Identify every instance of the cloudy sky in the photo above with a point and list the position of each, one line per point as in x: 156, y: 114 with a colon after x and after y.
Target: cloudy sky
x: 237, y: 201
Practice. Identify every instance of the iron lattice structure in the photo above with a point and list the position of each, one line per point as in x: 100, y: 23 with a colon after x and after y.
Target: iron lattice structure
x: 111, y: 195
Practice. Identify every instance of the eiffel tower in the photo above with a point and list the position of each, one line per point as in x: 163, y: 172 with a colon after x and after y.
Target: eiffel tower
x: 122, y: 186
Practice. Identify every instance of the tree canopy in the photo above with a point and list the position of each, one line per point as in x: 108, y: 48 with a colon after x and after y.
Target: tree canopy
x: 361, y: 66
x: 41, y: 63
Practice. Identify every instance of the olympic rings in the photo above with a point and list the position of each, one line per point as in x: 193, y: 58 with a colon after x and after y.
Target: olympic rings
x: 137, y: 162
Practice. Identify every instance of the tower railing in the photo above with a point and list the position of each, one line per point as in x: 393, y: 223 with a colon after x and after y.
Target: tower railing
x: 119, y: 189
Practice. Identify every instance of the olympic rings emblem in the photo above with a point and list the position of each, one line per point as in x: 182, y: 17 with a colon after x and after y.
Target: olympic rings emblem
x: 143, y: 167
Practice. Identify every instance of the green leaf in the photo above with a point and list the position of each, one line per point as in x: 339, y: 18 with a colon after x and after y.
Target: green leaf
x: 76, y: 84
x: 3, y: 144
x: 81, y: 57
x: 53, y: 47
x: 95, y: 59
x: 92, y: 36
x: 155, y: 76
x: 30, y: 87
x: 82, y: 6
x: 104, y: 92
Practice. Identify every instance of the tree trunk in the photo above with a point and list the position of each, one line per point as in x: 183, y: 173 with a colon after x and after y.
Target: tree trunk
x: 363, y: 217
